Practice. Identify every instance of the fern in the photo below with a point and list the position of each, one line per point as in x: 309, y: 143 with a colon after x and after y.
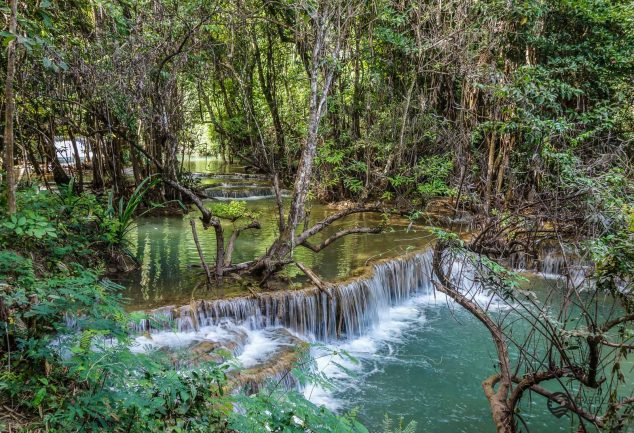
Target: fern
x: 389, y: 427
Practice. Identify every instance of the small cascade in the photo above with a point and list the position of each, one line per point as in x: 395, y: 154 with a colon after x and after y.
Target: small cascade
x: 231, y: 185
x: 272, y: 367
x: 234, y: 193
x: 238, y: 176
x: 572, y: 266
x: 341, y: 311
x: 552, y: 263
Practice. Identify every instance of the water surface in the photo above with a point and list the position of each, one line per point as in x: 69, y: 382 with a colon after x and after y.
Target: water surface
x: 424, y: 360
x: 170, y: 266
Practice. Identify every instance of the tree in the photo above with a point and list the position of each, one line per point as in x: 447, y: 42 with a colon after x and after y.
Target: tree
x: 9, y: 110
x: 567, y: 344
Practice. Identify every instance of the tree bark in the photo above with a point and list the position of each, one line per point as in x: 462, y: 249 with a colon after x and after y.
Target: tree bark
x: 59, y: 174
x: 501, y: 413
x: 10, y: 109
x: 79, y: 185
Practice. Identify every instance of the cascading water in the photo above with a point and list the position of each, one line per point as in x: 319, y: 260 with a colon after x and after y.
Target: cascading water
x: 272, y: 325
x: 355, y: 316
x: 237, y: 176
x: 242, y: 193
x: 551, y: 262
x: 341, y: 311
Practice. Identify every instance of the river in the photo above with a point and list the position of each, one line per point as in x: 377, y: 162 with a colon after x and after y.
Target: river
x: 418, y: 356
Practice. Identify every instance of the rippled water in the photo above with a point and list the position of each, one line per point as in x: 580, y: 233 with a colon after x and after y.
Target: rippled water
x: 425, y: 362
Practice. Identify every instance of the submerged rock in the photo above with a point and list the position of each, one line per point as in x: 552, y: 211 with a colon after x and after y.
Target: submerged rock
x: 276, y: 369
x: 226, y: 342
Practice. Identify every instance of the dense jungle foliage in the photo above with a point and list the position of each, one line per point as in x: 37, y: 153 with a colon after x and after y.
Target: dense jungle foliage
x: 520, y: 113
x: 424, y: 98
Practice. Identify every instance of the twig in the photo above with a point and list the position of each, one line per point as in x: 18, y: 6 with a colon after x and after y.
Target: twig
x: 321, y: 285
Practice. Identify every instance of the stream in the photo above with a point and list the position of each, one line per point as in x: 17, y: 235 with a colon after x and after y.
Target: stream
x: 416, y: 354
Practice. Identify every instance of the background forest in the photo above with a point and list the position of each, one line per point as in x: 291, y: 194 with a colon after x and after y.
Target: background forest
x: 481, y: 99
x: 518, y: 113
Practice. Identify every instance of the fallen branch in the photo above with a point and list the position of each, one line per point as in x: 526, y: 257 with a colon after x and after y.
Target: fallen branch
x: 340, y: 234
x: 253, y: 292
x: 334, y: 217
x: 321, y: 285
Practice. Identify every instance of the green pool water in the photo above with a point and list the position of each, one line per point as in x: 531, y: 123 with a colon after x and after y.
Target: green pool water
x: 170, y: 266
x: 429, y: 369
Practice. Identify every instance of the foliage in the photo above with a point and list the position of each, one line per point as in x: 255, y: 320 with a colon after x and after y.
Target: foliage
x: 123, y: 213
x: 435, y: 172
x: 416, y: 96
x: 513, y: 101
x: 29, y: 224
x: 67, y: 357
x: 289, y: 412
x: 388, y: 426
x: 56, y: 226
x: 233, y: 210
x: 71, y: 362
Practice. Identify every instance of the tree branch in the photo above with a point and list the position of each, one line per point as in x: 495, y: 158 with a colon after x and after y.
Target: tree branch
x: 200, y: 254
x: 340, y: 234
x: 321, y: 285
x: 567, y: 403
x: 232, y: 240
x: 334, y: 217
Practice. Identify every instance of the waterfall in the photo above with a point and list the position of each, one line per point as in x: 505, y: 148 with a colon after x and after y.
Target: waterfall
x: 237, y: 176
x: 552, y: 262
x: 341, y: 311
x: 276, y: 323
x: 242, y: 193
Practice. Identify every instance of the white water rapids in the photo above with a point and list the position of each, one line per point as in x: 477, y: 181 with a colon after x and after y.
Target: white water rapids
x: 359, y: 318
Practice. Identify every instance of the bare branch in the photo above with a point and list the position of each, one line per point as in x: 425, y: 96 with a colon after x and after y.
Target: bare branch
x: 321, y: 285
x: 232, y: 240
x: 570, y: 405
x: 334, y: 217
x: 200, y: 253
x: 340, y: 234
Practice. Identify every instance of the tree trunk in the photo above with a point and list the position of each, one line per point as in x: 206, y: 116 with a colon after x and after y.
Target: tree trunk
x: 59, y: 174
x: 267, y: 84
x: 9, y: 110
x: 488, y: 187
x: 79, y: 185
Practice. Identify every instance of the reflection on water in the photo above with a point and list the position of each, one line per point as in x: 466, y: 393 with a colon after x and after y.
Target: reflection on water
x: 171, y: 268
x: 208, y: 164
